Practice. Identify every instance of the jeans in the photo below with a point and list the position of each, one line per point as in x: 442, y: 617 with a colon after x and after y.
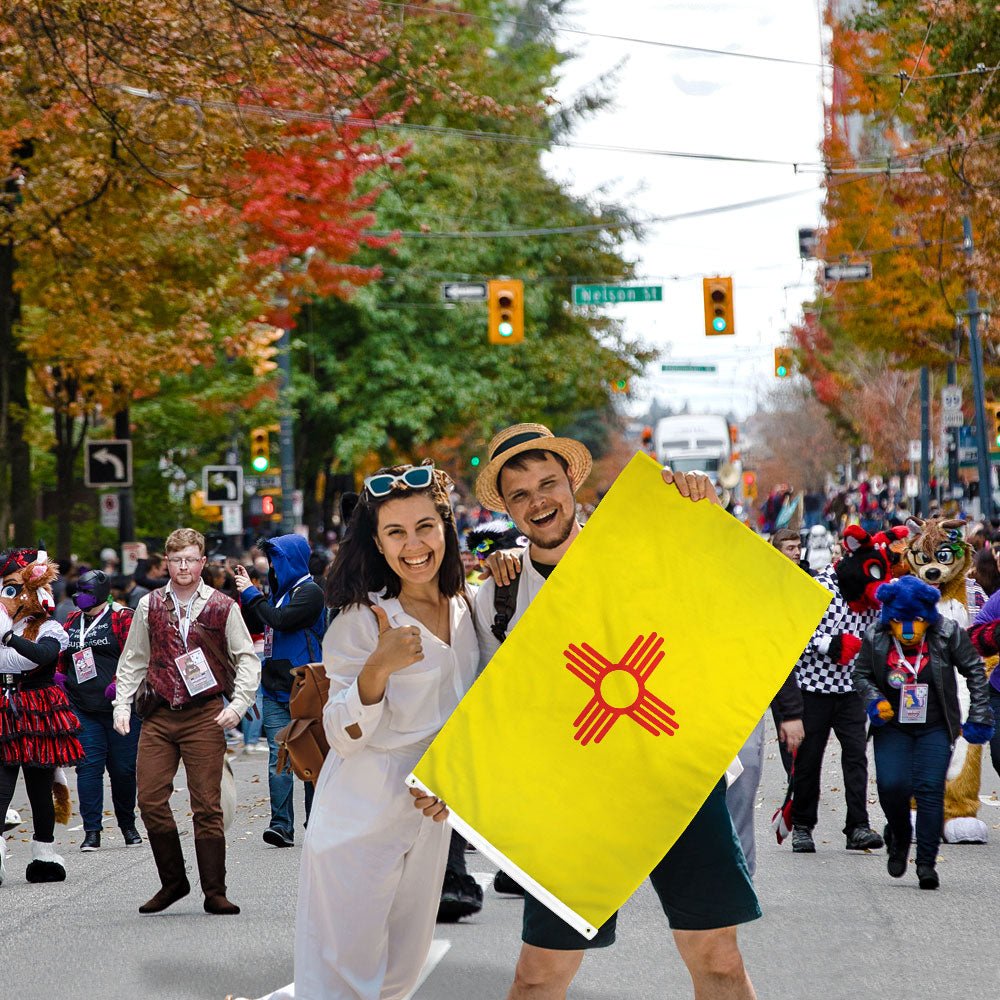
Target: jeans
x: 251, y: 725
x: 913, y: 765
x: 845, y: 715
x: 106, y: 750
x: 275, y: 717
x: 741, y: 795
x: 995, y: 742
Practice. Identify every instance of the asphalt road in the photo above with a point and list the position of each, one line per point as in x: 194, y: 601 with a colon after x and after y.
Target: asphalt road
x: 836, y: 926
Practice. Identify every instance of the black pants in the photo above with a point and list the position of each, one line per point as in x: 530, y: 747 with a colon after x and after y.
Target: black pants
x: 456, y: 854
x: 845, y: 715
x: 38, y: 784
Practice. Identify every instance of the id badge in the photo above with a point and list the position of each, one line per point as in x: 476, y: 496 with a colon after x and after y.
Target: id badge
x: 195, y: 671
x: 84, y: 665
x: 268, y: 641
x: 913, y: 703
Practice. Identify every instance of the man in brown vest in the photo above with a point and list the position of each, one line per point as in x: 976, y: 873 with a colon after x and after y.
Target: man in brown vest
x: 187, y: 647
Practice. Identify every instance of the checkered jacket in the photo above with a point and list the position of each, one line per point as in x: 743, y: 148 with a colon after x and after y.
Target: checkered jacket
x: 816, y: 671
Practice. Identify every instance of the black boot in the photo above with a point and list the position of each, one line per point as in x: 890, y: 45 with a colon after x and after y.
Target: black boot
x: 169, y: 860
x: 211, y: 852
x: 927, y: 876
x: 898, y: 853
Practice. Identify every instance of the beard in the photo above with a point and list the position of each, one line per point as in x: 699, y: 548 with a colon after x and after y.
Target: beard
x: 554, y: 541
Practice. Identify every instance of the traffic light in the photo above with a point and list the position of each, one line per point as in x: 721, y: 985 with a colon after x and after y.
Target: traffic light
x: 263, y: 349
x: 267, y: 505
x: 474, y: 461
x: 506, y: 309
x: 260, y: 449
x: 782, y: 362
x: 993, y: 424
x: 620, y: 385
x: 718, y: 294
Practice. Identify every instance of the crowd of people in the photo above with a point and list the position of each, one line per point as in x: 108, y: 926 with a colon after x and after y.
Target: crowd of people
x: 190, y: 655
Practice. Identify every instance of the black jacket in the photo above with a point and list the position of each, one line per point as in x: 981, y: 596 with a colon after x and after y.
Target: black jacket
x: 949, y: 646
x: 787, y: 704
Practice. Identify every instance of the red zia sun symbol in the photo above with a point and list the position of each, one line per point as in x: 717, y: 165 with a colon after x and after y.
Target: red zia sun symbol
x: 619, y: 689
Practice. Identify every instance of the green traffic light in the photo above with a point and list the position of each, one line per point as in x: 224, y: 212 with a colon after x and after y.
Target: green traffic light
x: 260, y: 463
x: 781, y: 371
x: 474, y: 461
x: 719, y: 324
x: 505, y: 329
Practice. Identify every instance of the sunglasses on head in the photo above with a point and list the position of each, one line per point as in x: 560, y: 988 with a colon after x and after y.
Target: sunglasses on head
x: 417, y: 477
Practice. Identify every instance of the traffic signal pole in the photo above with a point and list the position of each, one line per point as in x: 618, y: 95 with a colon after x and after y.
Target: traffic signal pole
x: 978, y: 382
x: 925, y: 440
x: 286, y: 441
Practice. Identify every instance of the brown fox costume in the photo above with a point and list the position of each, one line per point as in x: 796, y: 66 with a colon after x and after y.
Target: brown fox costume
x: 37, y: 727
x: 938, y: 554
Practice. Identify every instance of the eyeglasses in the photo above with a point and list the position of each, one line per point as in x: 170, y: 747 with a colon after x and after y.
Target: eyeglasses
x: 416, y: 477
x: 184, y: 560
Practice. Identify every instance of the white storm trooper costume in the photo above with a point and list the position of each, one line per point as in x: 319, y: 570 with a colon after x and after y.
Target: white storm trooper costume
x: 372, y: 864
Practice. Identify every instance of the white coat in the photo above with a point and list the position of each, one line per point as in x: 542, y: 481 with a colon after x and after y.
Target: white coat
x: 372, y: 864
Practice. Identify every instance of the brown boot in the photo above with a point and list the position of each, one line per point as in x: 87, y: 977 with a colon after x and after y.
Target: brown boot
x: 169, y: 860
x: 211, y: 852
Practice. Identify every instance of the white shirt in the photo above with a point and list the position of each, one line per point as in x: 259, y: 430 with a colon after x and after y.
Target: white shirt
x: 527, y: 590
x: 417, y: 700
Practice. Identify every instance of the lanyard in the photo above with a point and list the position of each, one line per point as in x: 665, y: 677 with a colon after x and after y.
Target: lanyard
x: 84, y: 632
x: 904, y: 663
x: 183, y: 624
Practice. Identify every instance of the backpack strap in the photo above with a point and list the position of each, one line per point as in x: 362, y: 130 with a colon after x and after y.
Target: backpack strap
x: 504, y: 606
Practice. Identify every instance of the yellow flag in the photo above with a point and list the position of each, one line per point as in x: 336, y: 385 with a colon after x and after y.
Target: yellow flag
x: 622, y: 695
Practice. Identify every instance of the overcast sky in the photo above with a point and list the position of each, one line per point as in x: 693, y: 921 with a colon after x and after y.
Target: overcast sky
x: 666, y: 99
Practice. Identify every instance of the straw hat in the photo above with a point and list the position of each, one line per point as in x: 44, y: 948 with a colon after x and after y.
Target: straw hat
x: 528, y: 437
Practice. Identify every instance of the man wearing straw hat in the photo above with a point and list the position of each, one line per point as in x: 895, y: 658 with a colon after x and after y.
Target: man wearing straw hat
x: 533, y: 476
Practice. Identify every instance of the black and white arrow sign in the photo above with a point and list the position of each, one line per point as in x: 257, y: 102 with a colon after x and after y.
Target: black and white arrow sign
x: 222, y: 484
x: 108, y: 463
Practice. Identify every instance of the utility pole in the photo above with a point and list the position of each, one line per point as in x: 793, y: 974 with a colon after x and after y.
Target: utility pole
x: 925, y: 440
x: 978, y: 381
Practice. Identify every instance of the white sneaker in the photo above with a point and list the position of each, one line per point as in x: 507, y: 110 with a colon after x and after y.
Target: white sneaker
x: 3, y: 858
x: 11, y: 820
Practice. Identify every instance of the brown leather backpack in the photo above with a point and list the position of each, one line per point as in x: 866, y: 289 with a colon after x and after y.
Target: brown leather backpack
x: 302, y: 744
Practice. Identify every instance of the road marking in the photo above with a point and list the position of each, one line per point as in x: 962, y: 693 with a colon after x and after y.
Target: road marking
x: 73, y: 829
x: 485, y: 879
x: 989, y: 800
x: 438, y: 950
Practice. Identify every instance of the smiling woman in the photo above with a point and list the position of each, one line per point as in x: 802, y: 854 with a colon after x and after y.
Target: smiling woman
x: 400, y: 655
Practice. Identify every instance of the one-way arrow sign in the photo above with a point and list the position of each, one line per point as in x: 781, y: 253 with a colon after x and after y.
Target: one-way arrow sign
x: 108, y: 463
x: 464, y: 291
x: 222, y: 484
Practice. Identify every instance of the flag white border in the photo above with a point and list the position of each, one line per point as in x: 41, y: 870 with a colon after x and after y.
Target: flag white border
x: 523, y: 879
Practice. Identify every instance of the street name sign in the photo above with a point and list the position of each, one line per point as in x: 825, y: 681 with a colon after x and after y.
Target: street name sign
x: 848, y: 272
x: 688, y: 368
x: 463, y: 291
x: 222, y: 484
x: 599, y: 295
x: 107, y: 463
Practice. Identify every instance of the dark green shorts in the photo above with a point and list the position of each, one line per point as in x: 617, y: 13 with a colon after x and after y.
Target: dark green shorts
x: 703, y: 884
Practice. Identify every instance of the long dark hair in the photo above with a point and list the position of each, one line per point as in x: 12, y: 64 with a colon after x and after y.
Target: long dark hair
x: 360, y: 568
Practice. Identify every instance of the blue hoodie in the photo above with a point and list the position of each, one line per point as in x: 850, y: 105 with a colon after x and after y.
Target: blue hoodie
x: 295, y: 613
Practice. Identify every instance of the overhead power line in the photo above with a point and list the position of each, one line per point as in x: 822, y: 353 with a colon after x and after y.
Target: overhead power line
x: 512, y: 138
x: 630, y: 39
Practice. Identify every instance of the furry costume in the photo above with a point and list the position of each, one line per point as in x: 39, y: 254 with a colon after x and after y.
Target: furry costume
x: 937, y: 553
x: 37, y: 727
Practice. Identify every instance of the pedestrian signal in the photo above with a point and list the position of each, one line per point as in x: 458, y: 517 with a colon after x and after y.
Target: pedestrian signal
x: 506, y: 311
x: 782, y: 362
x: 718, y: 295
